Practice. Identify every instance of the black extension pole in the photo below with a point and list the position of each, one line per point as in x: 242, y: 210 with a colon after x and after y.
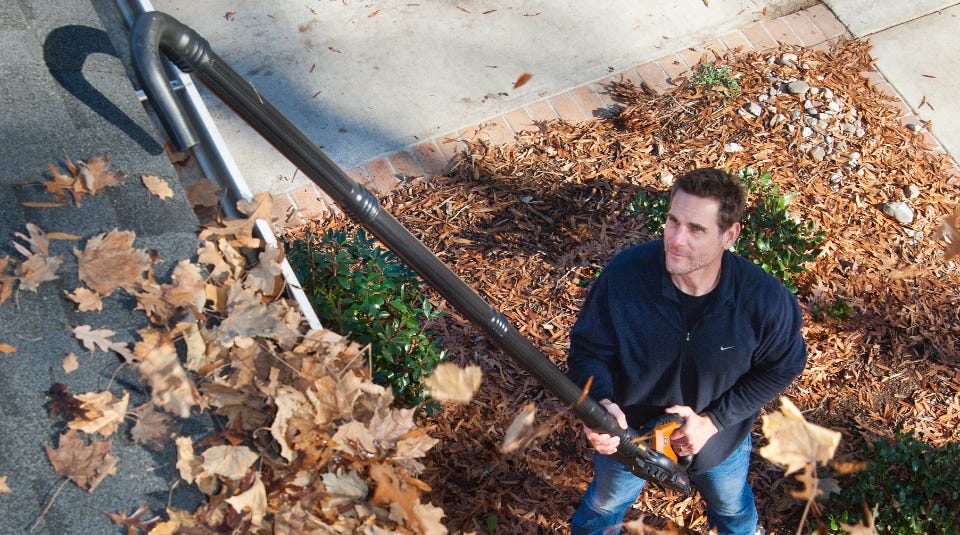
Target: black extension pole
x: 156, y: 32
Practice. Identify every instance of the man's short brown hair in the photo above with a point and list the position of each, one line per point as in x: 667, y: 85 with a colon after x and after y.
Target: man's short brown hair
x: 715, y: 184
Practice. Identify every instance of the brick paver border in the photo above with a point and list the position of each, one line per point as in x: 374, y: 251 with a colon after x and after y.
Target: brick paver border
x: 815, y: 26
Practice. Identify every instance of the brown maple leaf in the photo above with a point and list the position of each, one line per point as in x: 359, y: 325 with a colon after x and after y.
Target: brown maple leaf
x: 95, y: 173
x: 249, y: 317
x: 153, y: 428
x: 170, y: 387
x: 85, y: 465
x: 415, y: 444
x: 62, y: 184
x: 109, y: 261
x: 85, y: 178
x: 87, y: 300
x: 190, y: 467
x: 39, y: 266
x: 290, y: 402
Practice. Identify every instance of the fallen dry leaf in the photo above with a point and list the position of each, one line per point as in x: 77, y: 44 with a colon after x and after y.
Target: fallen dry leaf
x: 102, y: 412
x: 4, y: 489
x: 522, y: 79
x: 39, y: 266
x: 795, y: 443
x: 203, y: 193
x: 70, y: 363
x: 94, y: 339
x: 450, y: 382
x: 157, y: 186
x: 153, y: 428
x: 7, y: 280
x: 109, y: 261
x: 253, y: 499
x: 170, y: 387
x: 522, y: 430
x: 86, y: 465
x: 87, y: 300
x: 6, y: 349
x: 231, y: 462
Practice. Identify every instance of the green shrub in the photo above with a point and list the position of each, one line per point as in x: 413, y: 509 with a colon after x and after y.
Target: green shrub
x: 369, y: 295
x: 914, y: 486
x: 716, y: 77
x: 770, y: 236
x: 839, y: 310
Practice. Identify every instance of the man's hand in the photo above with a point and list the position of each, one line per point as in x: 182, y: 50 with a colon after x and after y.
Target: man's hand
x: 689, y: 438
x: 602, y: 442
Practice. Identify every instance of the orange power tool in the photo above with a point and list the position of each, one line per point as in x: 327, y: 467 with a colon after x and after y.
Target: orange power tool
x: 659, y: 431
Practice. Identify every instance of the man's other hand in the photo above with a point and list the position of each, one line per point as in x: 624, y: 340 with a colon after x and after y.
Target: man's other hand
x: 689, y: 438
x: 602, y: 442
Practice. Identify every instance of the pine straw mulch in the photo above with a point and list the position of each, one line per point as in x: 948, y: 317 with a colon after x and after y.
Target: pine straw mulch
x: 524, y: 223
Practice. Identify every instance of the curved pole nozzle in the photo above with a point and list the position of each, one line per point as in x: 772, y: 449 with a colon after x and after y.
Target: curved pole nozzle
x: 152, y: 33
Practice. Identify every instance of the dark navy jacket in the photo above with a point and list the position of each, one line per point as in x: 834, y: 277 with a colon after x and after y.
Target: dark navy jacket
x: 632, y: 338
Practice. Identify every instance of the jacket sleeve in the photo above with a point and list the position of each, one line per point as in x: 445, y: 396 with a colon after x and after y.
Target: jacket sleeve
x: 593, y: 344
x: 779, y: 358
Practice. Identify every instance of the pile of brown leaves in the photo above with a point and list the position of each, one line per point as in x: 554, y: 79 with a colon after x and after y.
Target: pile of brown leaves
x: 527, y: 223
x: 309, y: 444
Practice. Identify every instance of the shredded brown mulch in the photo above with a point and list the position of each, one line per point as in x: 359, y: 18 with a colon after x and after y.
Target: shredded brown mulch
x: 528, y: 222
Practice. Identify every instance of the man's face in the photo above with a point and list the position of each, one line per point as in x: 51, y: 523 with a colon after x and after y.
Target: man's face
x: 692, y: 237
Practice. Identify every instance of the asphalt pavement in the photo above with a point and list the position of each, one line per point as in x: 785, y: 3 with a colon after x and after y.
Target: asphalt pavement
x: 367, y: 81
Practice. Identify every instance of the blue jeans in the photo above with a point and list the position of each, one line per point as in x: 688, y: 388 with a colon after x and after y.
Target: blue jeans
x: 730, y: 505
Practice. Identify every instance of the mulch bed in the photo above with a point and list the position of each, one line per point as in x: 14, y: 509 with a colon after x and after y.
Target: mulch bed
x: 528, y: 222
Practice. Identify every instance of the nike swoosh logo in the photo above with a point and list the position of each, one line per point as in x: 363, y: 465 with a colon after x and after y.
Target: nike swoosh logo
x: 724, y: 348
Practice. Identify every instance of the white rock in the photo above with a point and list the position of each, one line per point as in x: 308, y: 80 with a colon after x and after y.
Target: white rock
x: 732, y: 147
x: 788, y: 59
x: 798, y: 87
x: 898, y: 210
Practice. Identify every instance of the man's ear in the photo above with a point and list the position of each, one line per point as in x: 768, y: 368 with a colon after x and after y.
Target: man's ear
x: 730, y: 235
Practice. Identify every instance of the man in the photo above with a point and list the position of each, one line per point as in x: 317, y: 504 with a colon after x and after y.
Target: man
x: 683, y: 326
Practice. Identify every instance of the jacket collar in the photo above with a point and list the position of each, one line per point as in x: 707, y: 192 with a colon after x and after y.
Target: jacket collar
x: 726, y: 287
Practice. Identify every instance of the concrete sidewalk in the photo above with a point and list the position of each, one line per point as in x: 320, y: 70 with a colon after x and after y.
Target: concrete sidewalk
x: 388, y: 91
